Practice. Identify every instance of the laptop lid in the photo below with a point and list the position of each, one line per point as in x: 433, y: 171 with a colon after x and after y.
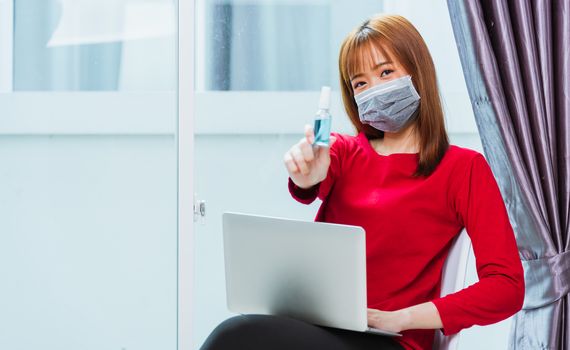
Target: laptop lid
x: 307, y: 270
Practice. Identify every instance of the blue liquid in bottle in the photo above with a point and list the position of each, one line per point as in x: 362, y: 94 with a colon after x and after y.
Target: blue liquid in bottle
x: 322, y: 126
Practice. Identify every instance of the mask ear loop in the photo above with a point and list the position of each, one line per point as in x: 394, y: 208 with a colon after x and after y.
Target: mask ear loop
x: 414, y: 91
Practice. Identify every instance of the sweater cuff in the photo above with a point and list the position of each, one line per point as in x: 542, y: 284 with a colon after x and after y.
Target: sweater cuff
x: 302, y: 195
x: 448, y: 319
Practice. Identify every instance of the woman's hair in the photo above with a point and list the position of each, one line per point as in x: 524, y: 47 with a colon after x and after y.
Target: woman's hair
x: 397, y: 39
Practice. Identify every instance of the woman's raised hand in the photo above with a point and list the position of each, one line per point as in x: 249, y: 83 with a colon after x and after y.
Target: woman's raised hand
x: 308, y: 167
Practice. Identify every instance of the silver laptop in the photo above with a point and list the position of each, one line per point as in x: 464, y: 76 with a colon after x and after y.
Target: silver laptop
x: 312, y: 271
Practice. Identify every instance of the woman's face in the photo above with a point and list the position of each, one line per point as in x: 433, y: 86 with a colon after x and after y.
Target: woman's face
x: 379, y: 69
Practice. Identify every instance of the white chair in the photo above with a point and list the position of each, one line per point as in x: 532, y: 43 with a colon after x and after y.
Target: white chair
x: 453, y: 280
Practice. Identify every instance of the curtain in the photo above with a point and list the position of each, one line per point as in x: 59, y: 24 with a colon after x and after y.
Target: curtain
x: 516, y: 62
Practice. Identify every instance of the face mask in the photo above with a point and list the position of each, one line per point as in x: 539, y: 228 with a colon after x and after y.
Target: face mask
x: 388, y: 106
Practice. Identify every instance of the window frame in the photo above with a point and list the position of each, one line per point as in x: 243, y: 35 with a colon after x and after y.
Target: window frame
x: 185, y: 177
x: 6, y: 45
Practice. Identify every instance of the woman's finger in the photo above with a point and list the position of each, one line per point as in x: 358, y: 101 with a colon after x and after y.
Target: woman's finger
x: 307, y: 151
x: 309, y: 134
x: 290, y: 163
x: 372, y: 322
x: 300, y: 161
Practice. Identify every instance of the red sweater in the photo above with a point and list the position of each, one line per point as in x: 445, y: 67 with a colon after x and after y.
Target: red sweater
x: 410, y: 224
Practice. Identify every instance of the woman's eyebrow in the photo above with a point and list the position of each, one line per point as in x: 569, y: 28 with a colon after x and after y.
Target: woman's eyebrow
x: 378, y: 65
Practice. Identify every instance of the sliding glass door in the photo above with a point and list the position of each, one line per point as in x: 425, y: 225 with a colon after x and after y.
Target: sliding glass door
x: 88, y: 181
x: 259, y: 68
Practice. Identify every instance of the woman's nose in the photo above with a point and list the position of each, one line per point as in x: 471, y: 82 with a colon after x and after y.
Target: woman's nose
x: 375, y: 81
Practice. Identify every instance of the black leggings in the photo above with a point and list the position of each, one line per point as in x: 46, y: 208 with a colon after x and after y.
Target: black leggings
x: 257, y: 332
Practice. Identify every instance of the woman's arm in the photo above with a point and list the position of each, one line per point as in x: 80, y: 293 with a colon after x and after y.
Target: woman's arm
x: 421, y: 316
x: 499, y: 293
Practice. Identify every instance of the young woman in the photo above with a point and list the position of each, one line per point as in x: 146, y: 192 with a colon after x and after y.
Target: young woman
x: 411, y: 191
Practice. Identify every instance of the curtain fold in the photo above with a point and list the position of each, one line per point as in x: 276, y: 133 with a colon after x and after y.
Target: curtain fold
x: 516, y: 62
x: 561, y: 69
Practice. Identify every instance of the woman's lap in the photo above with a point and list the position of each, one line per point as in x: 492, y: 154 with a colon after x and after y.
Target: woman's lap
x: 256, y: 332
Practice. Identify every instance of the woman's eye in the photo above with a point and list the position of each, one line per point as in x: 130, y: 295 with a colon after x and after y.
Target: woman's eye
x: 357, y: 85
x: 386, y: 72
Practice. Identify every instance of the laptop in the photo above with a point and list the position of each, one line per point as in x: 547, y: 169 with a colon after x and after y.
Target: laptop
x: 311, y: 271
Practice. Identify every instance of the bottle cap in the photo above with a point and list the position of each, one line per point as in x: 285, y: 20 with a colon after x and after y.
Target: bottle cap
x: 325, y: 100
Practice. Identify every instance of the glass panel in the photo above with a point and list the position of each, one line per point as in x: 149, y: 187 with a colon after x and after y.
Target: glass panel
x: 94, y: 45
x: 88, y: 216
x: 243, y: 57
x: 278, y: 45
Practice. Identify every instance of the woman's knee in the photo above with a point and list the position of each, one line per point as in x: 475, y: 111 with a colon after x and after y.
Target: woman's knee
x: 232, y: 332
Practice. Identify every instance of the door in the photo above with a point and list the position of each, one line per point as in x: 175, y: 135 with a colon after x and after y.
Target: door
x: 259, y: 69
x: 88, y: 181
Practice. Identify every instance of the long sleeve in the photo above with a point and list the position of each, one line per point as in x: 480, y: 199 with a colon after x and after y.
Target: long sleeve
x: 322, y: 189
x: 499, y: 293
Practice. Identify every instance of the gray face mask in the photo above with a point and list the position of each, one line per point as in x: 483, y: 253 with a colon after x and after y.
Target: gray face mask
x: 388, y: 106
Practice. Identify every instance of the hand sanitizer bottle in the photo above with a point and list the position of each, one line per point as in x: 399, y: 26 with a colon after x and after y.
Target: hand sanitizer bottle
x: 323, y: 119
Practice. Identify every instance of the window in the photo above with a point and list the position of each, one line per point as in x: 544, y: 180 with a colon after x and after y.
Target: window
x: 93, y: 45
x: 273, y: 45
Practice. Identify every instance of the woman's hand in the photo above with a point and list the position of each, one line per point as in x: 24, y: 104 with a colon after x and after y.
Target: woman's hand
x: 421, y: 316
x: 394, y: 321
x: 307, y: 167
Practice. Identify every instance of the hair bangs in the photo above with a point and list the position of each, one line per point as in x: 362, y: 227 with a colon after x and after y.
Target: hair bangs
x: 360, y: 55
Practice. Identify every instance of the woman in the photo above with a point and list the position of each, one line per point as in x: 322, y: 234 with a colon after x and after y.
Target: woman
x: 411, y: 191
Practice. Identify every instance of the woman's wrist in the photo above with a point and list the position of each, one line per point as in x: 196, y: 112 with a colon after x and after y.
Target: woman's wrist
x: 421, y: 316
x: 405, y: 318
x: 306, y: 188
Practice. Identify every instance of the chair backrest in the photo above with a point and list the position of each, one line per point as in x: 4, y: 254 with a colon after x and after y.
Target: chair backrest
x: 453, y: 280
